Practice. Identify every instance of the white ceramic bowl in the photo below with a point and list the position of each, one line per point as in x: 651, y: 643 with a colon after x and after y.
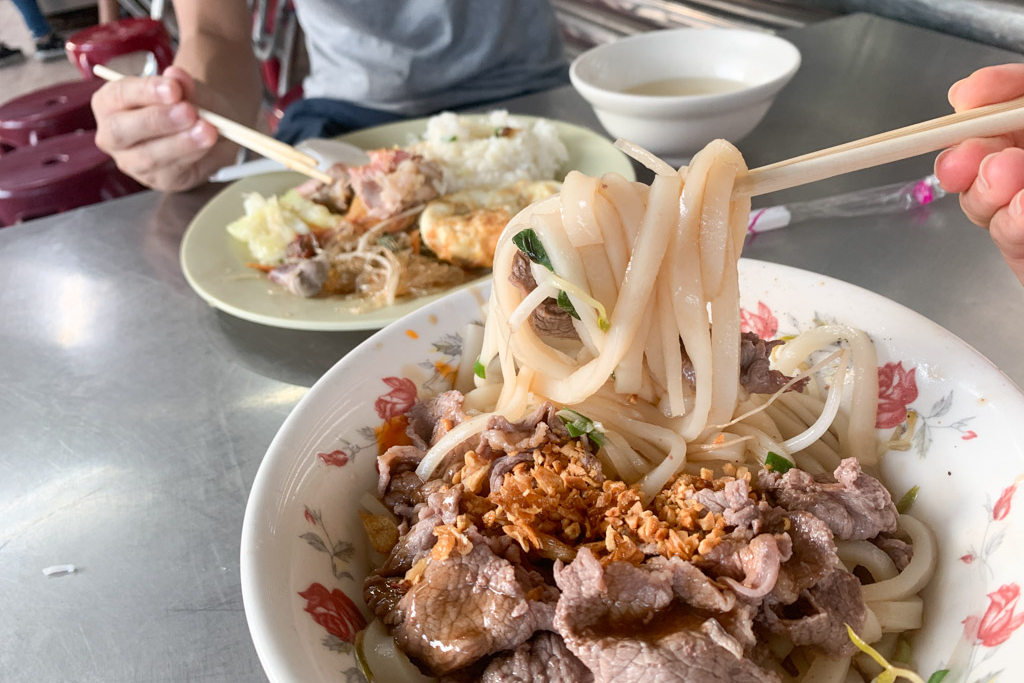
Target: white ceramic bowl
x: 679, y: 125
x: 304, y: 554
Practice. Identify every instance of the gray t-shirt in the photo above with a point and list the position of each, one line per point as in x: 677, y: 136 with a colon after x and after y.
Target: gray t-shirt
x: 418, y: 56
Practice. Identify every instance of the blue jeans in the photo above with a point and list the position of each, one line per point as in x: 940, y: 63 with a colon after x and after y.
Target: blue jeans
x: 34, y: 19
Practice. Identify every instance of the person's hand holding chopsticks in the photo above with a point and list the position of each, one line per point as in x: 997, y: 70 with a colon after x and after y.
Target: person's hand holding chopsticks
x: 989, y: 172
x: 151, y: 127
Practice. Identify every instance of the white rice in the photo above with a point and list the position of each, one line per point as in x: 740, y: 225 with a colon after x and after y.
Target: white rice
x: 472, y: 152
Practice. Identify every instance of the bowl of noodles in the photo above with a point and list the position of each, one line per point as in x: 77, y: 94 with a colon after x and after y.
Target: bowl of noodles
x: 570, y: 474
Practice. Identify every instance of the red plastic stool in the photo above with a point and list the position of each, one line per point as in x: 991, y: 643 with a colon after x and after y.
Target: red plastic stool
x: 100, y: 44
x: 59, y: 109
x: 58, y: 174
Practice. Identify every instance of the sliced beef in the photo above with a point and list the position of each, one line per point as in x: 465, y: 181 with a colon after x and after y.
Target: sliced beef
x: 385, y: 586
x: 505, y: 464
x: 693, y: 586
x: 756, y: 374
x: 542, y: 659
x: 813, y: 557
x: 898, y: 550
x: 466, y: 607
x: 548, y: 319
x: 534, y: 430
x: 761, y: 561
x: 820, y: 616
x: 521, y: 274
x: 435, y: 503
x: 431, y: 419
x: 854, y: 505
x: 395, y: 461
x: 621, y: 622
x: 724, y: 559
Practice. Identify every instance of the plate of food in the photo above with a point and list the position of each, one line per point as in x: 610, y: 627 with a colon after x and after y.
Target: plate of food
x: 419, y: 220
x: 567, y: 474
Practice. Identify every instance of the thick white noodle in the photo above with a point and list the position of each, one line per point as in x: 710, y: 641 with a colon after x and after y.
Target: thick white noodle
x: 532, y: 300
x: 577, y: 199
x: 482, y: 399
x: 862, y: 403
x: 637, y: 286
x: 915, y: 575
x: 872, y: 631
x: 826, y: 670
x: 899, y: 615
x: 867, y: 555
x: 644, y: 157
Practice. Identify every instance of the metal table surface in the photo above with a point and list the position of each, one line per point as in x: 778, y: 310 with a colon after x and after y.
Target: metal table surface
x: 134, y: 417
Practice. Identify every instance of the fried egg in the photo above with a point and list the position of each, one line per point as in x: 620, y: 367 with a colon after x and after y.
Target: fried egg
x: 463, y: 227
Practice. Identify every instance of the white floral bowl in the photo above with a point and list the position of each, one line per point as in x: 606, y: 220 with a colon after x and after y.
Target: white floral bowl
x: 303, y: 551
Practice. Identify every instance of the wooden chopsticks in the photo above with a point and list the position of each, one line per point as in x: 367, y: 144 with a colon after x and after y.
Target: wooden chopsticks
x: 893, y: 145
x: 247, y: 137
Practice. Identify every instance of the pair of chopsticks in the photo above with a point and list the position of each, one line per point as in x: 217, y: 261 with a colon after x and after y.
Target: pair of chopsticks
x: 893, y: 145
x: 247, y: 137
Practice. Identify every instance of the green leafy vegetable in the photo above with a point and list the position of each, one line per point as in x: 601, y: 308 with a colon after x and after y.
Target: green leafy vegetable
x: 578, y: 425
x: 566, y: 305
x: 479, y: 370
x: 777, y: 463
x: 907, y: 501
x: 529, y: 243
x: 938, y: 676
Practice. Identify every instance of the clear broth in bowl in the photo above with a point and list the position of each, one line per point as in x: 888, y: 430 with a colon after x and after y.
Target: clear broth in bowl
x: 687, y: 85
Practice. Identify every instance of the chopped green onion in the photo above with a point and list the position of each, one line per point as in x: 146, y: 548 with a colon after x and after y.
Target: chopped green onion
x: 529, y: 243
x: 479, y: 370
x: 777, y: 463
x: 907, y: 501
x: 566, y: 305
x: 451, y: 138
x: 577, y: 425
x: 938, y: 676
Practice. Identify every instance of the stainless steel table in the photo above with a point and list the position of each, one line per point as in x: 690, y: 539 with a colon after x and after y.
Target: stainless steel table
x: 133, y: 417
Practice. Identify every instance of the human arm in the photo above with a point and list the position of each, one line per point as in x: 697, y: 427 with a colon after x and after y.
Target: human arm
x: 150, y: 125
x: 989, y: 172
